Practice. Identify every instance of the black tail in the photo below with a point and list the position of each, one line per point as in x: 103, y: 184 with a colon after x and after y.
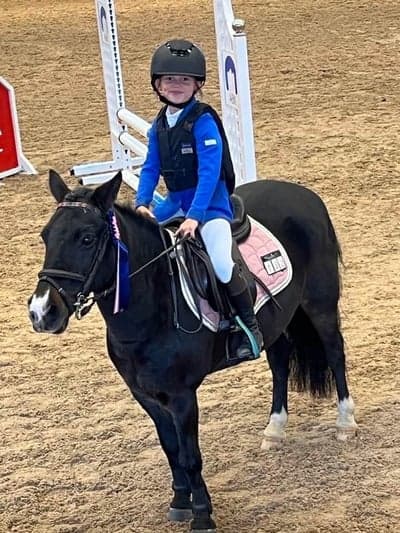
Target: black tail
x: 309, y: 371
x: 334, y: 238
x: 339, y: 253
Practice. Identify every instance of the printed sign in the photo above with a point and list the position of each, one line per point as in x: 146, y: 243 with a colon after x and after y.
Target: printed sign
x: 274, y: 262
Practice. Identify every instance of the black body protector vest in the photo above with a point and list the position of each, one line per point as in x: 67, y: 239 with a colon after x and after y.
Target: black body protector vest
x: 177, y: 146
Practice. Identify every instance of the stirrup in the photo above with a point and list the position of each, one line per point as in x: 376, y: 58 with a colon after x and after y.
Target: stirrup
x: 255, y: 348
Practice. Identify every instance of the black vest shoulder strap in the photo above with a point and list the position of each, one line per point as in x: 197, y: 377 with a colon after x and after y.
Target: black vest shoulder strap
x: 160, y: 119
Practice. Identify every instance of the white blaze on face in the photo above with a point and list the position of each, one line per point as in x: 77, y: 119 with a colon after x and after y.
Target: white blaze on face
x: 40, y: 305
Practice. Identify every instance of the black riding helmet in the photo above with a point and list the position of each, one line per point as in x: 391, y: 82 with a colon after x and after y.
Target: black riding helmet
x: 177, y: 58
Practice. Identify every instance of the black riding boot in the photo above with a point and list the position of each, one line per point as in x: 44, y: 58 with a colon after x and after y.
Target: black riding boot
x: 240, y: 298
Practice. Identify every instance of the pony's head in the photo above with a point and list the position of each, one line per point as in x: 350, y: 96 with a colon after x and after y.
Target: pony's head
x: 77, y: 240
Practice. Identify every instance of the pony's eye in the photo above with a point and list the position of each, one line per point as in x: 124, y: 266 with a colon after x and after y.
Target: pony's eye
x: 88, y: 239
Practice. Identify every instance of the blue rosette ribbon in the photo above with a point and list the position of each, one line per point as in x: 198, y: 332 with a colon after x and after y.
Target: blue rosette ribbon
x: 122, y: 282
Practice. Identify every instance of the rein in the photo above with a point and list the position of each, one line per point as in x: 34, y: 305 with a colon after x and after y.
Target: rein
x: 167, y: 250
x: 106, y: 292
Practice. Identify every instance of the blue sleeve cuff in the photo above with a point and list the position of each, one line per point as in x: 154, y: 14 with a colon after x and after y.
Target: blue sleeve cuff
x: 196, y: 214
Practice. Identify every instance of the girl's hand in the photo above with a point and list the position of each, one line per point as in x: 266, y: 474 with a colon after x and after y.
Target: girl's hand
x: 188, y: 227
x: 145, y: 212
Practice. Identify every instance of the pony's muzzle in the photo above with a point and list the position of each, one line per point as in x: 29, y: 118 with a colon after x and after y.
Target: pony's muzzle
x: 46, y: 313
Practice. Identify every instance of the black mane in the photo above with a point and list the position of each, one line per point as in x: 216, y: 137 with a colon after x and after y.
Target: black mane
x: 146, y: 230
x: 124, y: 210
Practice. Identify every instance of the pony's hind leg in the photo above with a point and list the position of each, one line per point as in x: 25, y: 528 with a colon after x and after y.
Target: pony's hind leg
x: 325, y: 320
x: 278, y: 358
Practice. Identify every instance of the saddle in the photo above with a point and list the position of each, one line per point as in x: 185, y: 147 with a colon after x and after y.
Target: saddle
x: 197, y: 268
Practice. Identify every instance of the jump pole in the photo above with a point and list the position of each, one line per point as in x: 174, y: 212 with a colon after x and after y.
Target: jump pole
x: 12, y: 159
x: 129, y: 151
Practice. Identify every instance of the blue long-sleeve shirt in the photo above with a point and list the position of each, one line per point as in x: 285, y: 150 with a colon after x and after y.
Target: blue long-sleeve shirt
x: 210, y: 198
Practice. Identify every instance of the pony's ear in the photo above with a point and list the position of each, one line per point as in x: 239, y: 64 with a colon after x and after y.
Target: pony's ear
x: 105, y: 195
x: 58, y: 187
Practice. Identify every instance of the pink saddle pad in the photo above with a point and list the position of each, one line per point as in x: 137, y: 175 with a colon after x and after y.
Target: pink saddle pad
x: 266, y: 258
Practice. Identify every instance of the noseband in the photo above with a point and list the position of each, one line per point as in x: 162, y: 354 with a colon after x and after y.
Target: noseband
x: 83, y: 303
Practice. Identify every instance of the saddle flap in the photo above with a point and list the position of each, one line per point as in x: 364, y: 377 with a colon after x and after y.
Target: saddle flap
x: 196, y: 270
x: 240, y: 224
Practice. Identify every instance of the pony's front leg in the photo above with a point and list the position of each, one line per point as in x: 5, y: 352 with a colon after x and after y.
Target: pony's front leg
x: 180, y: 509
x: 184, y: 410
x: 278, y: 359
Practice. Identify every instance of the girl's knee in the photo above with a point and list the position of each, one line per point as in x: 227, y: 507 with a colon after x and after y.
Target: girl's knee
x: 224, y: 272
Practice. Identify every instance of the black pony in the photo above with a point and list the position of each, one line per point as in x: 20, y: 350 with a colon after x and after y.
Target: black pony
x: 163, y: 365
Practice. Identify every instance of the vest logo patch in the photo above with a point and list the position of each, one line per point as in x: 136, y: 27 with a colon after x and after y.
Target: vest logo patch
x: 210, y: 142
x: 186, y: 148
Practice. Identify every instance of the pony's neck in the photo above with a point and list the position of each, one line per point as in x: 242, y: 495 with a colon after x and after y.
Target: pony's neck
x: 150, y: 291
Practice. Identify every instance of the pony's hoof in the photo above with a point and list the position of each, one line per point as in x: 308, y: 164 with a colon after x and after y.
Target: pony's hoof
x: 203, y: 525
x: 346, y: 433
x: 179, y: 515
x: 271, y: 443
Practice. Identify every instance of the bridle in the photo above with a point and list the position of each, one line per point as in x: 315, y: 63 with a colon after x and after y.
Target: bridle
x: 83, y: 302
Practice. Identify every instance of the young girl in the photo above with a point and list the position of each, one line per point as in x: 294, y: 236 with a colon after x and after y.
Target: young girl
x: 187, y: 149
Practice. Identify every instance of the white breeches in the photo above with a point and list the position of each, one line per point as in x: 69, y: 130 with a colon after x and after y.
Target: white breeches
x: 217, y: 237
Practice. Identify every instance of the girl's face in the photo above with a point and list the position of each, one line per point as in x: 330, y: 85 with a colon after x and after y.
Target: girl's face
x: 177, y: 89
